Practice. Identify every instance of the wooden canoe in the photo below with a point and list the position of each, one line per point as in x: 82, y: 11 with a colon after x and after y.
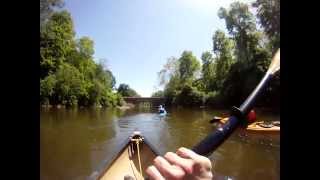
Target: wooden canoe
x: 257, y: 127
x: 132, y: 159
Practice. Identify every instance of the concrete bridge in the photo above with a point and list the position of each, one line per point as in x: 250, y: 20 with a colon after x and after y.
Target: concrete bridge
x: 145, y: 101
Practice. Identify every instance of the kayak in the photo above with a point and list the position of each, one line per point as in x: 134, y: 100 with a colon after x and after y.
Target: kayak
x: 131, y: 160
x: 163, y: 113
x: 259, y: 126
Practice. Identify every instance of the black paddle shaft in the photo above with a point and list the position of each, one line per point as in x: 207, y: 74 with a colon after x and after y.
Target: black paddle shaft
x: 214, y: 139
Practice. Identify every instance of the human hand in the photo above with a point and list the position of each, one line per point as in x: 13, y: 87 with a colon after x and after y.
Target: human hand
x: 184, y: 164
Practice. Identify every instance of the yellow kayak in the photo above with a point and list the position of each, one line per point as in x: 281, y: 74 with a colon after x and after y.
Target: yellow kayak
x: 258, y: 127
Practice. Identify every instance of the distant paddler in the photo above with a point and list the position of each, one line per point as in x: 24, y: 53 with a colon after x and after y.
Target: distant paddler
x: 161, y: 110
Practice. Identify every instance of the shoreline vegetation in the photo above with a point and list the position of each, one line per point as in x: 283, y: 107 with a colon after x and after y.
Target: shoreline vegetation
x: 71, y: 77
x: 225, y: 76
x: 124, y: 106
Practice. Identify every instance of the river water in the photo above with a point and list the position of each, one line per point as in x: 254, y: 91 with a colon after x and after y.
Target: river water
x: 74, y: 143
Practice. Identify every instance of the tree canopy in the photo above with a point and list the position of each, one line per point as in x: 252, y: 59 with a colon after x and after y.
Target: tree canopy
x: 158, y: 94
x: 68, y: 73
x: 237, y: 62
x: 126, y: 91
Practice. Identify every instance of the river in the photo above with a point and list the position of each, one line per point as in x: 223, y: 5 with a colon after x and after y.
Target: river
x: 74, y: 143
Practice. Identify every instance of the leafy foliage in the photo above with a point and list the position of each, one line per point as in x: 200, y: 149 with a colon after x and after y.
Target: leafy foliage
x: 47, y: 8
x: 268, y: 12
x: 68, y: 73
x: 237, y: 63
x: 158, y: 94
x: 126, y: 91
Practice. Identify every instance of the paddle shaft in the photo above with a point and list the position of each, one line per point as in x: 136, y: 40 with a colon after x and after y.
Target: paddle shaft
x: 213, y: 140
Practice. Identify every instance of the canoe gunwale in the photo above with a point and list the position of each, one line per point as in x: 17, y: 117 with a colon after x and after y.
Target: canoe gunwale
x: 96, y: 175
x: 106, y: 163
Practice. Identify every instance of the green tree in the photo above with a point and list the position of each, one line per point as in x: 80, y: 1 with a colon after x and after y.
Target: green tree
x: 158, y: 94
x: 223, y: 48
x: 47, y: 89
x: 268, y: 13
x: 188, y: 67
x: 208, y: 74
x: 85, y: 47
x: 68, y: 73
x: 239, y: 22
x: 170, y: 69
x: 56, y: 42
x: 47, y: 8
x: 126, y: 91
x: 111, y: 80
x: 70, y: 85
x: 251, y: 53
x: 238, y: 62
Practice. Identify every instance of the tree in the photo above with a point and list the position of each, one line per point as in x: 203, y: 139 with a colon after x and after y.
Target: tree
x: 85, y: 47
x: 169, y: 70
x: 208, y: 73
x: 223, y: 48
x: 56, y: 42
x: 239, y: 22
x: 126, y: 91
x: 68, y: 73
x: 158, y: 94
x: 47, y: 88
x: 70, y: 85
x: 268, y: 12
x: 47, y: 8
x: 188, y: 67
x: 239, y: 60
x: 111, y: 80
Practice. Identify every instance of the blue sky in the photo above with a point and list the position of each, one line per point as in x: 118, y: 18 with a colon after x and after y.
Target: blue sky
x: 137, y: 36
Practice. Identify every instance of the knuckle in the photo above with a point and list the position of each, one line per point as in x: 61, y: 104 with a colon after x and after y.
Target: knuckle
x: 206, y: 163
x: 168, y: 154
x: 181, y: 149
x: 157, y: 159
x: 177, y: 173
x: 149, y: 169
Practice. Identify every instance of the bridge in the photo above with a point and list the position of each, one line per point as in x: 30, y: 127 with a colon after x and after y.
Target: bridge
x: 145, y: 101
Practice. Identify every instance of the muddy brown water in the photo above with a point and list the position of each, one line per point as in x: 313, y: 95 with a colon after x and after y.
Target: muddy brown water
x: 74, y: 143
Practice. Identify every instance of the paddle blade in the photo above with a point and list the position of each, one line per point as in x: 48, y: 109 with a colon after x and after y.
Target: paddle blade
x: 275, y: 64
x: 215, y: 119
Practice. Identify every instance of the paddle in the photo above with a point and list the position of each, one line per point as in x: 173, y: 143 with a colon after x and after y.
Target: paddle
x: 215, y: 119
x: 214, y: 139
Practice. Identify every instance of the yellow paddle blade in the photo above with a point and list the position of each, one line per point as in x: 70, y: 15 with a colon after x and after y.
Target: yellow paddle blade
x: 275, y: 64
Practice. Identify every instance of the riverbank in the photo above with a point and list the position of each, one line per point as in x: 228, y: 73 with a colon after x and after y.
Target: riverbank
x: 125, y: 106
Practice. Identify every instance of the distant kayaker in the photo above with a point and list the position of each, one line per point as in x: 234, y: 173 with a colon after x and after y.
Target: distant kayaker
x: 161, y: 109
x: 180, y: 165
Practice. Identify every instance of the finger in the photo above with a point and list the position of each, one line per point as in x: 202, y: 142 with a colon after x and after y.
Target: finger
x: 186, y: 164
x: 198, y: 159
x: 187, y: 153
x: 167, y: 170
x: 154, y: 173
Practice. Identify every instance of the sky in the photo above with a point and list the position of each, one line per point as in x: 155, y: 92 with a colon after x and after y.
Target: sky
x: 136, y: 37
